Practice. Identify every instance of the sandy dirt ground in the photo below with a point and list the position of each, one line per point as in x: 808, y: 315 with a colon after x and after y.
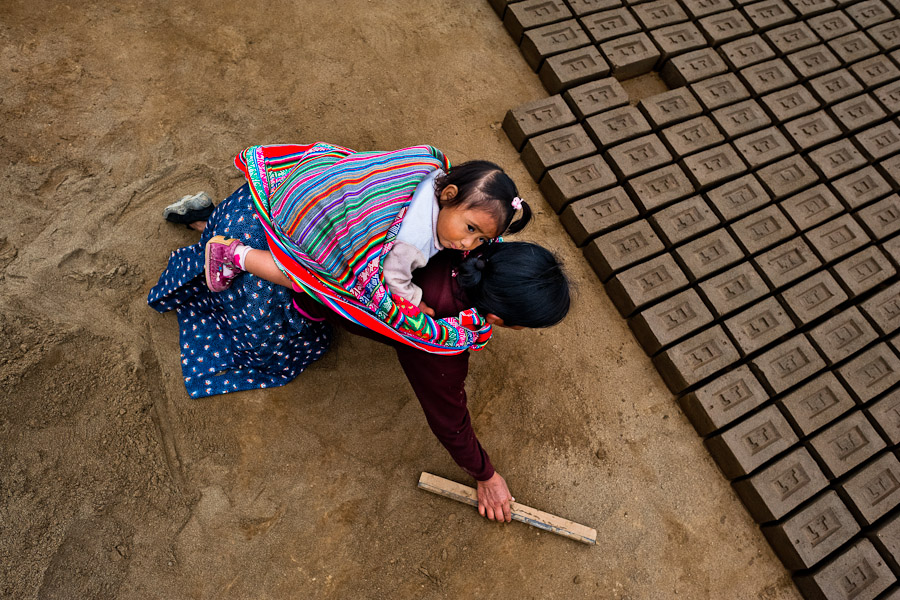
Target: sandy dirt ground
x: 114, y: 484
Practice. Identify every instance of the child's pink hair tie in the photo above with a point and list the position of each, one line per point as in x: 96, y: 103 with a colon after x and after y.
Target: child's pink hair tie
x: 517, y: 203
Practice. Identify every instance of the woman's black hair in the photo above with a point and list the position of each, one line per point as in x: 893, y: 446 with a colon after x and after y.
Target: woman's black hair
x: 521, y: 283
x: 485, y: 186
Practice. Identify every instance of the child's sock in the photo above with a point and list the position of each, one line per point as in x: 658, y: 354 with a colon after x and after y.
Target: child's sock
x: 240, y: 255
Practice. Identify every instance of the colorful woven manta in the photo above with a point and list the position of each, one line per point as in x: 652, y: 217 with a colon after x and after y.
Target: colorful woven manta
x: 332, y: 214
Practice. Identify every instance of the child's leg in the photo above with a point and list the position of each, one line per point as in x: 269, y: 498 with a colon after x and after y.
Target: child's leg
x: 261, y: 264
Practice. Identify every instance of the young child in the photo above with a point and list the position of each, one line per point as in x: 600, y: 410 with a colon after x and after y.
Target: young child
x: 473, y: 203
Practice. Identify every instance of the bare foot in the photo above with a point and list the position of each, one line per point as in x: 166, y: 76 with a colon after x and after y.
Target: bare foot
x: 198, y: 225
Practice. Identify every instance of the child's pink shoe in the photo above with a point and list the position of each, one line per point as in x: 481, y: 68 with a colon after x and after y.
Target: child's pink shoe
x: 220, y: 265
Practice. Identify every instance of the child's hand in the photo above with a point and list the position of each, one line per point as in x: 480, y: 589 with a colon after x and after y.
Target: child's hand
x: 426, y: 309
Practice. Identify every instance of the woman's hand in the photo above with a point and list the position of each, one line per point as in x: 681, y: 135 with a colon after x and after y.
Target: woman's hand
x: 494, y: 499
x: 426, y: 309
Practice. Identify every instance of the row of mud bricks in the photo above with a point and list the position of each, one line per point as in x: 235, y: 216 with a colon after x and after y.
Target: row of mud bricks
x: 746, y: 224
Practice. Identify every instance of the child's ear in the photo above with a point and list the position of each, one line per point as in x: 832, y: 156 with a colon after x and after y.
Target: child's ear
x: 448, y: 193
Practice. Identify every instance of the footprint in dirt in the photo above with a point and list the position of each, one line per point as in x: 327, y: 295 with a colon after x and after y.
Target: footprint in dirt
x: 99, y: 270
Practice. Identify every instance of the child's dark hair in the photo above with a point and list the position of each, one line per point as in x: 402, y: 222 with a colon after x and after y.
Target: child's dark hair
x: 485, y: 186
x: 521, y: 283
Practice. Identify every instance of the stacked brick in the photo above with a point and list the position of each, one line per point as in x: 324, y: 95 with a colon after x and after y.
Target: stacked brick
x: 746, y: 223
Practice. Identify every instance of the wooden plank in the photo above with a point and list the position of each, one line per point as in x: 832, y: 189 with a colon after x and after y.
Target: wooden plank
x: 520, y: 512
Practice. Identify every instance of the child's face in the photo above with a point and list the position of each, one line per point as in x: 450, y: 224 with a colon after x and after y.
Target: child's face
x: 461, y: 228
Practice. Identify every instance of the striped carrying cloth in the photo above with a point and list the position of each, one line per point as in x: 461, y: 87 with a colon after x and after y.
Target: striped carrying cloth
x: 332, y: 214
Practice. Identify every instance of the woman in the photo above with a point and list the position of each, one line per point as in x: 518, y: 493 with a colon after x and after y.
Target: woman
x: 258, y: 334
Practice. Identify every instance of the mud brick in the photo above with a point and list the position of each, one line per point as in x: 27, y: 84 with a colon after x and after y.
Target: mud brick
x: 808, y: 8
x: 859, y: 112
x: 723, y: 401
x: 765, y: 227
x: 884, y: 309
x: 832, y: 25
x: 814, y: 296
x: 759, y: 325
x: 708, y: 254
x: 817, y: 403
x: 768, y: 76
x: 669, y: 321
x: 596, y: 214
x: 738, y: 197
x: 792, y: 37
x: 837, y: 158
x: 869, y: 13
x: 535, y: 118
x: 812, y: 130
x: 695, y: 359
x: 575, y: 67
x: 673, y: 40
x: 861, y: 187
x: 529, y: 14
x: 499, y: 6
x: 743, y: 448
x: 834, y: 87
x: 882, y: 219
x: 837, y: 238
x: 886, y: 414
x: 813, y: 533
x: 631, y: 55
x: 853, y: 47
x: 892, y: 167
x: 843, y: 335
x: 659, y: 13
x: 864, y: 270
x: 609, y: 24
x: 576, y: 180
x: 616, y: 125
x: 769, y: 14
x: 886, y: 35
x: 813, y: 61
x: 586, y: 7
x: 683, y: 220
x: 670, y: 107
x: 622, y: 248
x: 787, y: 176
x: 880, y: 141
x: 762, y: 147
x: 720, y: 91
x: 542, y: 42
x: 875, y: 71
x: 660, y: 187
x: 741, y: 118
x: 871, y: 373
x: 747, y: 51
x: 846, y: 444
x: 735, y: 288
x: 811, y: 207
x: 790, y: 102
x: 714, y: 165
x: 596, y: 96
x: 691, y: 67
x: 554, y: 148
x: 874, y: 490
x: 789, y: 363
x: 639, y: 155
x: 692, y: 136
x: 647, y: 282
x: 725, y: 26
x: 701, y: 8
x: 782, y: 486
x: 856, y: 574
x: 886, y: 538
x: 892, y: 247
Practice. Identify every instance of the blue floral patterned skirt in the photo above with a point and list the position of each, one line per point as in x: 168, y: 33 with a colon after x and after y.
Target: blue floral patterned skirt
x: 247, y: 337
